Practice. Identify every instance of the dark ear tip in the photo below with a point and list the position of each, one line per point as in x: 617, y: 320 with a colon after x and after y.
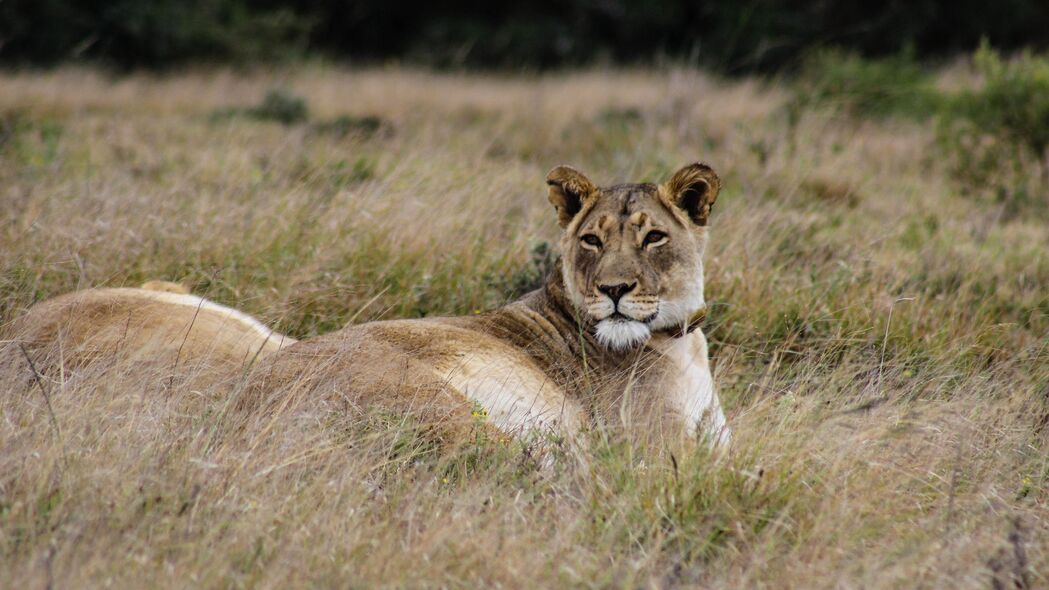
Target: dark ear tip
x: 704, y: 167
x: 557, y: 173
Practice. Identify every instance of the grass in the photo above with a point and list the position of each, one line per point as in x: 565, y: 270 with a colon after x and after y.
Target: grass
x: 879, y: 339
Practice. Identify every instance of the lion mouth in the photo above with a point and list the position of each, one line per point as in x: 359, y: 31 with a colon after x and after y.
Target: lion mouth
x: 618, y: 316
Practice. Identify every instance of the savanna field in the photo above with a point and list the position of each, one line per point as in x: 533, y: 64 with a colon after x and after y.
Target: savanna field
x: 878, y: 288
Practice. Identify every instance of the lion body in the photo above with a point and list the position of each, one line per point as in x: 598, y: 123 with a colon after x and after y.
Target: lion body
x: 606, y: 342
x: 161, y: 325
x: 526, y: 367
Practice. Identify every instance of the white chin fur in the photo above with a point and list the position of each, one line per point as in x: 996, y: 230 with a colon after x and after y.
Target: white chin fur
x: 621, y: 334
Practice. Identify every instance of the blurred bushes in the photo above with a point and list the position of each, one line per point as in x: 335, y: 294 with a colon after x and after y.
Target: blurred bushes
x: 993, y: 133
x: 727, y: 35
x: 895, y: 85
x: 997, y: 134
x: 281, y: 106
x: 33, y: 141
x: 1010, y: 109
x: 149, y: 32
x: 278, y: 105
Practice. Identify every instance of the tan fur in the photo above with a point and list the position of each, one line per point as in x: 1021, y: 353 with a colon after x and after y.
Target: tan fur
x: 536, y: 366
x: 566, y: 357
x: 159, y: 325
x: 166, y: 286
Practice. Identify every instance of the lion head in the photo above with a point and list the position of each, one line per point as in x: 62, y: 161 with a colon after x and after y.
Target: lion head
x: 632, y: 254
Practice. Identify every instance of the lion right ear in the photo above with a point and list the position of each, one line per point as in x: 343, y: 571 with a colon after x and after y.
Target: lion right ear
x: 694, y: 189
x: 569, y: 190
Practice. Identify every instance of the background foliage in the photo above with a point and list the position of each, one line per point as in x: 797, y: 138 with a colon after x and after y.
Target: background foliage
x: 727, y: 35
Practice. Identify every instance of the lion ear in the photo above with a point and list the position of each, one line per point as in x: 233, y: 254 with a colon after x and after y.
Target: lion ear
x: 569, y: 190
x: 694, y: 189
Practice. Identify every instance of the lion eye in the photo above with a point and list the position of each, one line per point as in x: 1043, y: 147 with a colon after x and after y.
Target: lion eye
x: 654, y: 237
x: 591, y: 240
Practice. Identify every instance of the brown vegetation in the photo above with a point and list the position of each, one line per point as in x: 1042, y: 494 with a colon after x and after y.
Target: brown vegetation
x: 878, y: 334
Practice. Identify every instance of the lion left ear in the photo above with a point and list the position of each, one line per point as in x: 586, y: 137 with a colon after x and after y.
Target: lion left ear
x: 694, y: 189
x: 570, y: 189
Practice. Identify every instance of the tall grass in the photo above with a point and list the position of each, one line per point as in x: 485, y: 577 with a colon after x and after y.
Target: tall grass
x: 879, y: 341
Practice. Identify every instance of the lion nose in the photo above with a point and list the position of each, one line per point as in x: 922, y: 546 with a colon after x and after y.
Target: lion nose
x: 616, y: 292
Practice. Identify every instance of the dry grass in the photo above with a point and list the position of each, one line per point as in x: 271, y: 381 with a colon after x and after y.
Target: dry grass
x: 880, y: 340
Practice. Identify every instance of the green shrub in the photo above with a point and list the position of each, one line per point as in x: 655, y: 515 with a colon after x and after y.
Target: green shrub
x: 892, y: 86
x: 279, y: 105
x: 32, y: 141
x: 346, y: 125
x: 996, y: 136
x: 1012, y: 106
x: 344, y: 173
x: 542, y: 260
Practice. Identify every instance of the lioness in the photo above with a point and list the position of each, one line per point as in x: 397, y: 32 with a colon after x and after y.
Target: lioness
x: 609, y: 339
x: 159, y: 324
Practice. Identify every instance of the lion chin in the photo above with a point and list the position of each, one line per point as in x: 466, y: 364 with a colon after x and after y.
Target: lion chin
x: 621, y: 334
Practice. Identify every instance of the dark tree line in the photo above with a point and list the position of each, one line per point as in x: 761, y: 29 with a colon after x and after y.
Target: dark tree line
x: 728, y: 35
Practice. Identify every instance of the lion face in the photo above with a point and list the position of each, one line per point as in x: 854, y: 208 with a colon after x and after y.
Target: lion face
x: 632, y: 254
